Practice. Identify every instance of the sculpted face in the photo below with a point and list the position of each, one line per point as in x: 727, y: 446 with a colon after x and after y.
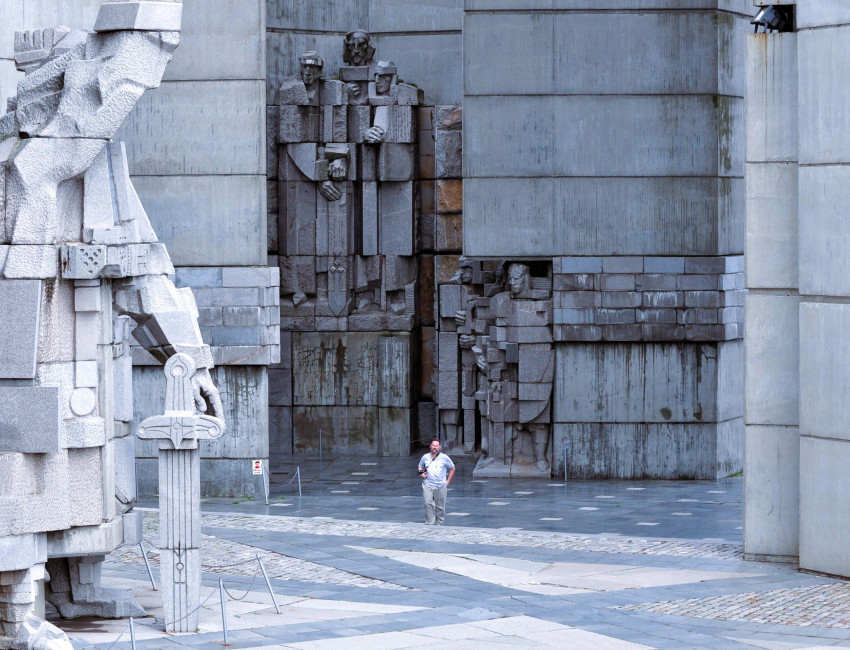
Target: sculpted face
x: 358, y: 50
x: 310, y: 74
x: 518, y: 279
x: 383, y: 83
x: 466, y: 274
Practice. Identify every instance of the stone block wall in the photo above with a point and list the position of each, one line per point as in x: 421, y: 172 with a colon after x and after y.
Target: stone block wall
x: 621, y: 159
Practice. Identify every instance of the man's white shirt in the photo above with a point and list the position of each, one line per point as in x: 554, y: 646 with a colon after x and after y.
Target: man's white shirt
x: 437, y: 468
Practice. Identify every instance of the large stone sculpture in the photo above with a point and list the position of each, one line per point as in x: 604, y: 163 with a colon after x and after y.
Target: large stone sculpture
x: 348, y: 205
x: 79, y: 265
x: 347, y: 166
x: 516, y: 359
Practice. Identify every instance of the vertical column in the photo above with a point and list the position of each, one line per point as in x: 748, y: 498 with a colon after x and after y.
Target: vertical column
x: 771, y: 494
x: 824, y: 268
x: 180, y: 537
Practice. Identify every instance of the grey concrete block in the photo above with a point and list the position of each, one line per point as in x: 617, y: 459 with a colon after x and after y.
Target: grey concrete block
x: 428, y: 60
x: 636, y: 382
x: 345, y: 429
x: 823, y: 341
x: 227, y: 27
x: 223, y: 208
x: 316, y: 381
x: 772, y: 351
x: 396, y: 162
x: 824, y: 481
x: 220, y: 139
x: 824, y: 122
x: 664, y: 265
x: 547, y: 139
x: 637, y: 450
x: 19, y: 335
x: 823, y: 14
x: 772, y: 98
x: 823, y: 268
x: 29, y: 420
x: 580, y: 265
x: 448, y: 154
x: 336, y: 17
x: 772, y: 231
x: 19, y: 552
x: 771, y: 501
x: 197, y: 277
x: 575, y: 216
x: 575, y: 52
x: 396, y: 218
x: 412, y: 16
x: 280, y: 430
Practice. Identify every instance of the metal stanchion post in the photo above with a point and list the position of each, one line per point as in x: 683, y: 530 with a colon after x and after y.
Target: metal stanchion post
x: 320, y: 450
x: 266, y: 481
x: 298, y: 474
x: 566, y: 472
x: 268, y: 584
x: 147, y: 564
x: 223, y: 612
x: 132, y: 634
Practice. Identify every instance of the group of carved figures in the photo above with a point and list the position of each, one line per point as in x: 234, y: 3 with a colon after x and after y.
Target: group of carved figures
x: 496, y: 366
x: 347, y: 165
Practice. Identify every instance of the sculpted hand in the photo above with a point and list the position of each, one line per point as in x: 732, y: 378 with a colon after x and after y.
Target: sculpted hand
x: 338, y: 169
x: 353, y: 90
x: 330, y: 191
x: 374, y: 135
x: 460, y: 317
x: 481, y: 362
x: 466, y: 341
x: 206, y: 393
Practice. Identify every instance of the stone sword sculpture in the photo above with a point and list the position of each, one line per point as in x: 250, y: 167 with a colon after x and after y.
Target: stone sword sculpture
x: 178, y: 430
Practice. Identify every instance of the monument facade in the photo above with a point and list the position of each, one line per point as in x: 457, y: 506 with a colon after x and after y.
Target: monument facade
x: 81, y: 270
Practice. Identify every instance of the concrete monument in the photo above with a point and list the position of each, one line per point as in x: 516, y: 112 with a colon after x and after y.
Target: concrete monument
x: 79, y: 262
x: 347, y: 165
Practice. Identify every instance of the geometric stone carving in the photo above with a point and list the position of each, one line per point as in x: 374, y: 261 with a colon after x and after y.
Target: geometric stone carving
x: 179, y: 429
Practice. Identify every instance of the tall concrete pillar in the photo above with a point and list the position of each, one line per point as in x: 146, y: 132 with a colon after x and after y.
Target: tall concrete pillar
x: 823, y: 43
x: 771, y: 486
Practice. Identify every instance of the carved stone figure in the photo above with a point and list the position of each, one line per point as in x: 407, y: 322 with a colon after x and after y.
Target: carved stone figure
x: 517, y: 360
x: 79, y: 262
x: 347, y: 194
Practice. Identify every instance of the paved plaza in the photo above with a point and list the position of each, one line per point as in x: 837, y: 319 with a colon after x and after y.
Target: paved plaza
x: 527, y: 563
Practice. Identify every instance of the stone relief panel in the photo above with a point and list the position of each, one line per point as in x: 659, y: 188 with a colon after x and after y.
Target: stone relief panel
x: 347, y: 201
x: 496, y: 367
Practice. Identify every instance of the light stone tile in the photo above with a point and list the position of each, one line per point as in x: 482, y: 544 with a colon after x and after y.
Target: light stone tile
x: 582, y: 640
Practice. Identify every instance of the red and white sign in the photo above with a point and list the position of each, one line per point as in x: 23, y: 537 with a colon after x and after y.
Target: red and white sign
x: 258, y: 466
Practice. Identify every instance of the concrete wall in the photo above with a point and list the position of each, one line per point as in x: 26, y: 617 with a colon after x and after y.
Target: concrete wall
x: 824, y: 137
x: 603, y: 129
x: 614, y: 131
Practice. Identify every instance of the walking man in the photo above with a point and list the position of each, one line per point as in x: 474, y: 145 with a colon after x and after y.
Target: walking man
x: 433, y: 468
